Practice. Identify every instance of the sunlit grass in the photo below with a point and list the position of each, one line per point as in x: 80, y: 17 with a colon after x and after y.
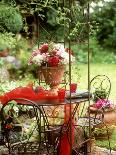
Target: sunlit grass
x: 105, y: 143
x: 95, y: 69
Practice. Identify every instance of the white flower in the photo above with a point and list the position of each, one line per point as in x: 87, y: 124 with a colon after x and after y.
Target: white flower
x: 60, y: 47
x: 38, y: 59
x: 65, y: 57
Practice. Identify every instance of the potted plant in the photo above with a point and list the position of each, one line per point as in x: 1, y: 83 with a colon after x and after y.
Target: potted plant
x: 101, y: 103
x: 99, y: 94
x: 51, y: 60
x: 102, y: 108
x: 104, y: 132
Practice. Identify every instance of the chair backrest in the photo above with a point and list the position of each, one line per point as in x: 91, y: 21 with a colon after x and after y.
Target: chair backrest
x: 28, y: 122
x: 100, y: 87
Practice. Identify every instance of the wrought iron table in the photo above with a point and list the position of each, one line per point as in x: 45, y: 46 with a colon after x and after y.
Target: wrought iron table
x: 49, y: 135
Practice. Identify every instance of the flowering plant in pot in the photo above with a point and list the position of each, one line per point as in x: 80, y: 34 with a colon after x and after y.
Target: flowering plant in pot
x: 51, y: 59
x: 101, y: 101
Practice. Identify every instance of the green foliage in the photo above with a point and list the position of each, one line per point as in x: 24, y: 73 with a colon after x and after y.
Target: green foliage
x: 7, y: 40
x: 104, y: 130
x: 99, y: 94
x: 105, y: 143
x: 10, y: 19
x: 79, y: 28
x: 106, y: 19
x: 97, y: 53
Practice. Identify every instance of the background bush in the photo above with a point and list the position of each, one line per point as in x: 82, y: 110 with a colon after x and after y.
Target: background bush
x: 105, y: 17
x: 10, y: 19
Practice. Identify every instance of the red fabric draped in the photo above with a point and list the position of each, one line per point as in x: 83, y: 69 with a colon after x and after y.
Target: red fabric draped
x: 64, y: 145
x: 27, y: 92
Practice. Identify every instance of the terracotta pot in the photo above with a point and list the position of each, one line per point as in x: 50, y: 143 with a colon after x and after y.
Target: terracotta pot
x: 53, y: 76
x: 4, y: 53
x: 108, y: 116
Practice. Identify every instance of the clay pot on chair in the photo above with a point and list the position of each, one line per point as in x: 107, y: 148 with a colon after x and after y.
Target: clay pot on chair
x: 108, y: 116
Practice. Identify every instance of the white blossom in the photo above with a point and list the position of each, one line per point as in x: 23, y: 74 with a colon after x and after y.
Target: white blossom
x: 38, y: 59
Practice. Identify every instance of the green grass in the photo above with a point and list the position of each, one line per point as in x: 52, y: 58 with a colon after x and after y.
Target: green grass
x: 105, y: 143
x: 95, y: 69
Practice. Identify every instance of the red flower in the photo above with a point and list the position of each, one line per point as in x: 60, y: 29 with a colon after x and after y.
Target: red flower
x: 44, y: 48
x: 8, y: 126
x: 53, y: 61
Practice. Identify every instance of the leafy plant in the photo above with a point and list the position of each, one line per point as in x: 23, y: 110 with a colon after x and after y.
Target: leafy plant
x: 10, y: 19
x: 104, y: 130
x: 7, y: 40
x: 99, y: 94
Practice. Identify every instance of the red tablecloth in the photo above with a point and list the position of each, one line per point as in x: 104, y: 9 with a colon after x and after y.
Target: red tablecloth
x: 67, y: 139
x: 27, y: 92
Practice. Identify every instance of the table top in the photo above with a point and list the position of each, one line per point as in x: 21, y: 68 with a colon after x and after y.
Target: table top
x: 54, y: 102
x: 57, y: 102
x: 76, y: 98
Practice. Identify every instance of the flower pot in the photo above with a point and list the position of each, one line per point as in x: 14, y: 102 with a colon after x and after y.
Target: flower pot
x: 4, y: 53
x: 108, y: 116
x: 104, y: 136
x: 103, y: 132
x: 53, y: 76
x: 90, y: 146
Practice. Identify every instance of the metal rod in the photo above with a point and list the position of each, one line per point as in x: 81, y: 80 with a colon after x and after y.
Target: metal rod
x: 70, y: 71
x: 88, y: 27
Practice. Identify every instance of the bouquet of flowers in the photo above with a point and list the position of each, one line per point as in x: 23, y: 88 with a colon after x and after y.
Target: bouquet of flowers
x: 51, y: 55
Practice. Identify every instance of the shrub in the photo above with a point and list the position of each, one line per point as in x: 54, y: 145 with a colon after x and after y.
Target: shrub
x: 106, y: 19
x: 10, y: 19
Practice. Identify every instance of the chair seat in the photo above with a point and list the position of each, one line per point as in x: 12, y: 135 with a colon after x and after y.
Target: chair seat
x: 86, y: 121
x: 31, y: 148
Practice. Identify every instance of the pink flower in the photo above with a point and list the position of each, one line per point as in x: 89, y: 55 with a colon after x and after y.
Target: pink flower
x: 104, y: 103
x: 34, y: 53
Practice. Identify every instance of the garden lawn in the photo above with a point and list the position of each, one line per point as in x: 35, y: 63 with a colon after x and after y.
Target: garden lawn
x: 95, y: 69
x: 105, y: 143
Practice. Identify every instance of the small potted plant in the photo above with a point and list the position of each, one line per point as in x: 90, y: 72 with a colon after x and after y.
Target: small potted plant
x: 99, y: 94
x: 102, y: 108
x: 101, y: 103
x: 104, y: 132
